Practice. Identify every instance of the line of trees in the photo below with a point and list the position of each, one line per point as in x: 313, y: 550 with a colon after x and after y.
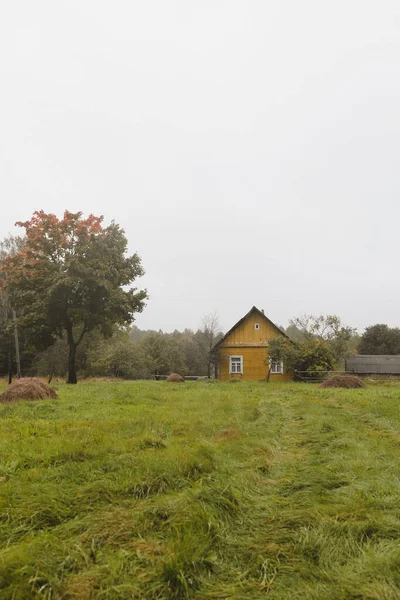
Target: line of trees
x: 132, y: 353
x: 68, y: 301
x: 128, y: 353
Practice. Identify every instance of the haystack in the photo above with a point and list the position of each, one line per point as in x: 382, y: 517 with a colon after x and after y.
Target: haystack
x: 175, y: 378
x: 28, y: 388
x: 343, y: 381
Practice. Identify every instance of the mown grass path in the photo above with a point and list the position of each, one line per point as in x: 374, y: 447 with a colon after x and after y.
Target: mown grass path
x: 205, y: 491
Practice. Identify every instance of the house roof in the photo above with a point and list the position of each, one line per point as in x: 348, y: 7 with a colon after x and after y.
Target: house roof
x: 252, y: 310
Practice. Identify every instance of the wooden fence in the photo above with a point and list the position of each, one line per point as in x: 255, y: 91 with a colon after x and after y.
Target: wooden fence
x: 319, y: 376
x: 185, y: 377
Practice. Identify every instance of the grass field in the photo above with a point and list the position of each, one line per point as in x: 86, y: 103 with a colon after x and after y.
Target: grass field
x: 202, y: 490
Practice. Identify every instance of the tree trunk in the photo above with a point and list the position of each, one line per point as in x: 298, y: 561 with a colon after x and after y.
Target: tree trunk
x: 16, y: 340
x: 9, y: 368
x: 72, y: 378
x: 71, y: 364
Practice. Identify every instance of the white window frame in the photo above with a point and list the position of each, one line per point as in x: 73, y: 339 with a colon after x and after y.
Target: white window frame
x: 276, y: 368
x: 236, y: 372
x: 257, y: 326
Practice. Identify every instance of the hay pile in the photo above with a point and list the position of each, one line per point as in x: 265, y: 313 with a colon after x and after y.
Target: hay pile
x: 28, y: 388
x: 343, y: 381
x: 175, y: 378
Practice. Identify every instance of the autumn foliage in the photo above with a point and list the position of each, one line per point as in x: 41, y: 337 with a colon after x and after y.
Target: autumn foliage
x: 48, y: 239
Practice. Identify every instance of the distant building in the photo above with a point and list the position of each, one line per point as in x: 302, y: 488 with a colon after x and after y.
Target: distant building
x: 243, y: 351
x: 374, y: 364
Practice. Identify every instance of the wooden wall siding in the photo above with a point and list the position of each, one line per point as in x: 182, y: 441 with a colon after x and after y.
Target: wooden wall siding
x: 250, y: 343
x: 247, y: 335
x: 254, y: 367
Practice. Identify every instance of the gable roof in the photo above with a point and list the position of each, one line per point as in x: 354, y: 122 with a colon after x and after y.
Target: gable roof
x: 252, y: 310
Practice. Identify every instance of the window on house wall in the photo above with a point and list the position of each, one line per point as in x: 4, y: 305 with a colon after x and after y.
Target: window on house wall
x: 235, y: 364
x: 276, y: 367
x: 257, y: 326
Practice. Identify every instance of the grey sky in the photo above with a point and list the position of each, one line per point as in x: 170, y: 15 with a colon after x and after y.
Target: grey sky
x: 250, y: 149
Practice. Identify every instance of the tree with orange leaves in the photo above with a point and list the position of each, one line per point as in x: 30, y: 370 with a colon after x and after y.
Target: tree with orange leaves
x: 72, y: 275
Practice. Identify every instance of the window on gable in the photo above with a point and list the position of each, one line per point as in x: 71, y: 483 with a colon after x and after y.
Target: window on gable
x: 235, y: 364
x: 276, y: 367
x: 257, y: 326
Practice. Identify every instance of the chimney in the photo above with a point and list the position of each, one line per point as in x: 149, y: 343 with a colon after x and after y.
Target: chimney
x: 262, y: 310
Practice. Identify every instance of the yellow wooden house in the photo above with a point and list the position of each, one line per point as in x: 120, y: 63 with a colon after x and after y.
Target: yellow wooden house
x: 243, y: 352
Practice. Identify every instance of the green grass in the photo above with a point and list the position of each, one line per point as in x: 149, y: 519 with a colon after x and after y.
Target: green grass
x: 208, y: 491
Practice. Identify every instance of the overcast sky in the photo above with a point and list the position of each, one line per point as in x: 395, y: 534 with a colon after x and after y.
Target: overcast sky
x: 250, y: 149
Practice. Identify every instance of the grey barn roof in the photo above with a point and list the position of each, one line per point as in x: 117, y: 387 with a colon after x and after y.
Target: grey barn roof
x: 374, y: 363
